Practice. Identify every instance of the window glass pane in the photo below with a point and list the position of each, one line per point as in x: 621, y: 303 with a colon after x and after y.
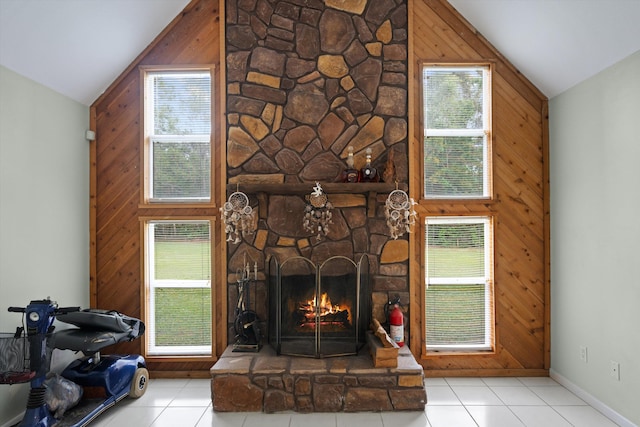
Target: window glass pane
x: 178, y: 125
x: 182, y: 251
x: 455, y: 250
x: 183, y: 317
x: 453, y: 98
x: 179, y: 255
x: 458, y: 308
x: 181, y: 170
x: 456, y: 315
x: 456, y: 129
x: 454, y: 166
x: 182, y: 103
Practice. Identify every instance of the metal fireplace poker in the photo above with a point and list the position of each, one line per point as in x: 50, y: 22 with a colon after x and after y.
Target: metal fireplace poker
x: 248, y: 337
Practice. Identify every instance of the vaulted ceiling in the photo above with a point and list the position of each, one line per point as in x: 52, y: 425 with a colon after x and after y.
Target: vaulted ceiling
x: 78, y: 47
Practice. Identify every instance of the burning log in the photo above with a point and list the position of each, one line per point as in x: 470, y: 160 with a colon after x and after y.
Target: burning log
x: 326, y: 312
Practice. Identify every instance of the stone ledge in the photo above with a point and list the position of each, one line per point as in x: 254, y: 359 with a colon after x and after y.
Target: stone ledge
x: 249, y: 382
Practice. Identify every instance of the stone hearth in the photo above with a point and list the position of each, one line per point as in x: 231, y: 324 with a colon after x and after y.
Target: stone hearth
x: 254, y: 382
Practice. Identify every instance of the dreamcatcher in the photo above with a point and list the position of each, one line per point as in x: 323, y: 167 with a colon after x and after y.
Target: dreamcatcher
x: 237, y: 216
x: 399, y: 212
x: 317, y: 213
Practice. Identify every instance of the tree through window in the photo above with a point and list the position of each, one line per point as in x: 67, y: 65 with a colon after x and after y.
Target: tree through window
x: 178, y: 128
x: 456, y: 130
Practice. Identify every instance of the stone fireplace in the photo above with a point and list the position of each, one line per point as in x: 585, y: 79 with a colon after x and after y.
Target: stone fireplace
x: 307, y: 80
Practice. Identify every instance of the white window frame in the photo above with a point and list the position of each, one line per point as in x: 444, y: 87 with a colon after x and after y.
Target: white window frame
x: 484, y: 133
x: 486, y: 280
x: 153, y: 283
x: 151, y: 138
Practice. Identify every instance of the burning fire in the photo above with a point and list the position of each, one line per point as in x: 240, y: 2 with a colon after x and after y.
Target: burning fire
x: 325, y: 307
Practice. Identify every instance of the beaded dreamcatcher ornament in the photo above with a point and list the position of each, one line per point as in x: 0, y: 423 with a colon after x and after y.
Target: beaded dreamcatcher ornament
x: 399, y: 212
x: 317, y: 213
x: 237, y: 216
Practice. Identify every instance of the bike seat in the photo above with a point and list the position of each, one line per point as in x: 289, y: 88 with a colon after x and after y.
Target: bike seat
x: 103, y: 320
x: 87, y: 341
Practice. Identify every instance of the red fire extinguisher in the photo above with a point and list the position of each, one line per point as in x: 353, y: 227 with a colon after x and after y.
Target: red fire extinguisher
x: 396, y: 325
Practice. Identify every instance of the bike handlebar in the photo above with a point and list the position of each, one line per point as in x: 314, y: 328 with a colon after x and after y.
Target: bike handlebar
x: 59, y: 310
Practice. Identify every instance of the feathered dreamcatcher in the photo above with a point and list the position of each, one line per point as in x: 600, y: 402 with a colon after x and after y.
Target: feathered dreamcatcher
x: 317, y: 213
x: 399, y: 212
x: 237, y: 216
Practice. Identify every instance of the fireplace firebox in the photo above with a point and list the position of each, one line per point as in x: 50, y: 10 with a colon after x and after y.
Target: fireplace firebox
x: 318, y: 310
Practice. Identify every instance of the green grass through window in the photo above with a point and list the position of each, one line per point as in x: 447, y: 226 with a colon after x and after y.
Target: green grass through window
x: 183, y: 315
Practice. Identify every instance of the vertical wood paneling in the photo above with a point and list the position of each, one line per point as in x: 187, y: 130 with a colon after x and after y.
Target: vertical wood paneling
x: 193, y: 38
x: 437, y: 33
x: 440, y: 34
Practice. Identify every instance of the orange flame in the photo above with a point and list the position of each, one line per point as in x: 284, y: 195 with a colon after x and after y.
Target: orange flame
x: 324, y: 305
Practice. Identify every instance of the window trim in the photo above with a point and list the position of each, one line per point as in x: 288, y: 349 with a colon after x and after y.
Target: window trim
x: 486, y: 133
x: 146, y: 201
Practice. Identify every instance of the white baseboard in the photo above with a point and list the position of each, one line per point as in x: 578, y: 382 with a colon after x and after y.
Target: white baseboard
x: 592, y: 401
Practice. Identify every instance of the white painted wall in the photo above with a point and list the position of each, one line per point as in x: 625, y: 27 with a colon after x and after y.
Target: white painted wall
x: 595, y: 235
x: 44, y: 206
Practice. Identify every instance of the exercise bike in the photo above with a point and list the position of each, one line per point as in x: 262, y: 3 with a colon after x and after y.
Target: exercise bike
x: 105, y: 380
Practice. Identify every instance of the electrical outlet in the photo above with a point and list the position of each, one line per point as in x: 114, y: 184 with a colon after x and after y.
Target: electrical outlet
x: 614, y: 370
x: 583, y: 353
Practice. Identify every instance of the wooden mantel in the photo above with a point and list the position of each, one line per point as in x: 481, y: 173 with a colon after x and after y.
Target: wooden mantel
x: 371, y: 189
x: 291, y: 189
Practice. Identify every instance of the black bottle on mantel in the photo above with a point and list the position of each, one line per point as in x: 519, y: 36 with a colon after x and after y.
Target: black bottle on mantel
x: 350, y: 174
x: 368, y: 173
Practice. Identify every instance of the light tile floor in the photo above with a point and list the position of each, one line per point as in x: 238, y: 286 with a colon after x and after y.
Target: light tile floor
x: 452, y: 402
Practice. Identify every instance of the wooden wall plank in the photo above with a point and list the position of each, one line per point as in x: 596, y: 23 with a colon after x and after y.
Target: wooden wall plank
x: 521, y: 291
x: 193, y: 38
x: 437, y: 33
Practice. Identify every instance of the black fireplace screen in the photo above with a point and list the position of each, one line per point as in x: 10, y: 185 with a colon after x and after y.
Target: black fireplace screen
x: 318, y: 310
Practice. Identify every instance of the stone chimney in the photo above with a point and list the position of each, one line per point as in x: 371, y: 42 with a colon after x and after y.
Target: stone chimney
x: 306, y: 79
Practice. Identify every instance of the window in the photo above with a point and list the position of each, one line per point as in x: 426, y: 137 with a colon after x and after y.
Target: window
x: 178, y: 278
x: 458, y: 282
x: 178, y: 262
x: 178, y: 136
x: 458, y: 241
x: 456, y: 118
